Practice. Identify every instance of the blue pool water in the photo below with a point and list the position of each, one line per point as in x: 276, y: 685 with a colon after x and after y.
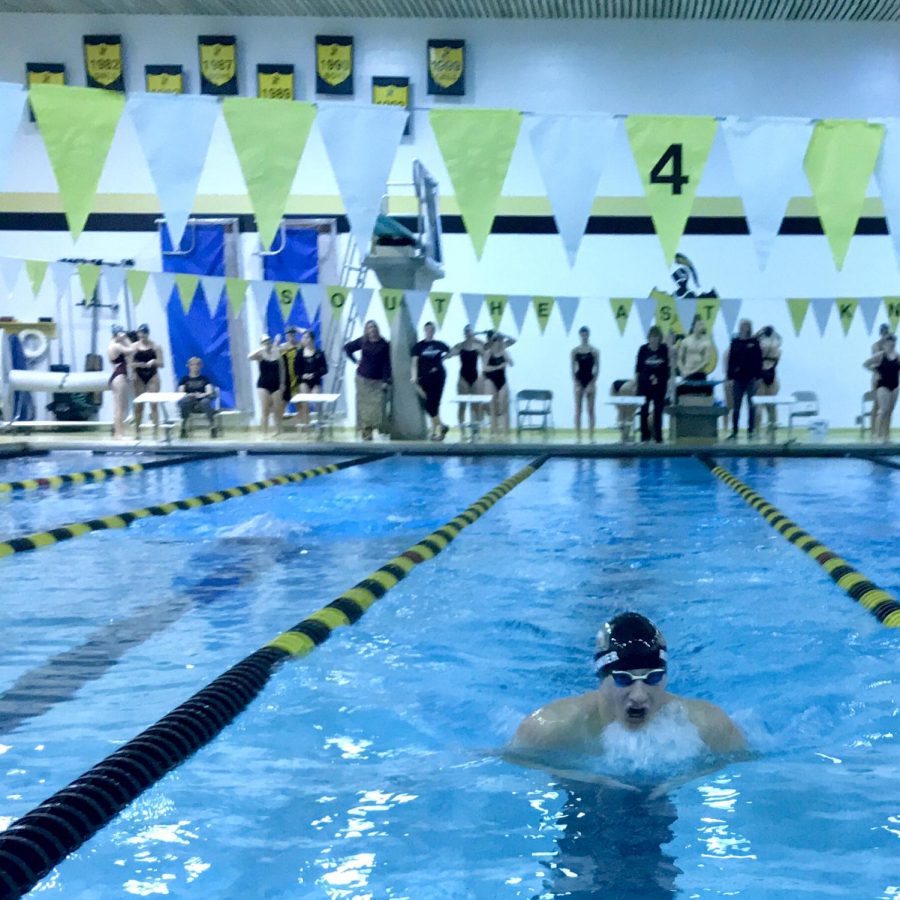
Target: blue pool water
x: 370, y: 769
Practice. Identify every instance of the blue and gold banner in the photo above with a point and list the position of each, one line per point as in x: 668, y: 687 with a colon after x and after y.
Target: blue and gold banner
x: 447, y: 67
x: 392, y: 91
x: 218, y: 64
x: 334, y: 64
x: 275, y: 82
x: 164, y: 79
x: 44, y: 73
x: 103, y: 61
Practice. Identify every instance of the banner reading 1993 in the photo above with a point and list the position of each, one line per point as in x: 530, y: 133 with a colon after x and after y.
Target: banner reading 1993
x: 334, y: 64
x: 218, y: 64
x: 164, y: 79
x: 447, y: 67
x: 275, y: 82
x: 103, y: 61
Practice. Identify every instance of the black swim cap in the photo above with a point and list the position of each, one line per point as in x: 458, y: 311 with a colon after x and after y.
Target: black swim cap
x: 629, y: 641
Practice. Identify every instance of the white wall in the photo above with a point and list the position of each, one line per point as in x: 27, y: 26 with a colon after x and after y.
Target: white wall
x: 798, y: 69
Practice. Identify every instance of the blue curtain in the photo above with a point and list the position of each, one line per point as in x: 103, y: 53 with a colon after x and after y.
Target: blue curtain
x: 197, y: 334
x: 297, y: 261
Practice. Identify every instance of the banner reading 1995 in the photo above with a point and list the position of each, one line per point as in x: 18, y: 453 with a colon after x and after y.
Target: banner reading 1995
x: 103, y: 61
x: 218, y: 64
x: 334, y: 64
x: 447, y: 67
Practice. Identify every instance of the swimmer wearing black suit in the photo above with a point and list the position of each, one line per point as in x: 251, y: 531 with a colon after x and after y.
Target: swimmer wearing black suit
x: 120, y: 350
x: 886, y: 364
x: 270, y: 384
x: 495, y: 362
x: 469, y: 351
x: 585, y: 362
x: 146, y: 363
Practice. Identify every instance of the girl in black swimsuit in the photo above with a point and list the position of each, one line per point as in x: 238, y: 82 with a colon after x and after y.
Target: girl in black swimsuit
x: 119, y: 351
x: 270, y: 384
x: 496, y: 361
x: 585, y: 361
x: 887, y: 365
x: 146, y: 363
x: 469, y: 351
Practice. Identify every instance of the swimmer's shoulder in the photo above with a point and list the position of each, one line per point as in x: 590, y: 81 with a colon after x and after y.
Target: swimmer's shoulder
x: 714, y: 726
x: 564, y: 723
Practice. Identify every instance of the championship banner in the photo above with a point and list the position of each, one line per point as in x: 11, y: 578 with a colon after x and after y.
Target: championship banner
x: 821, y: 307
x: 670, y: 153
x: 798, y: 308
x: 388, y: 91
x: 275, y: 82
x: 543, y: 306
x: 286, y: 295
x: 846, y: 307
x: 218, y: 64
x: 392, y: 300
x: 519, y: 305
x: 137, y: 284
x: 567, y: 307
x: 447, y: 68
x: 496, y: 306
x: 440, y: 303
x: 12, y: 102
x: 36, y: 270
x: 621, y: 310
x: 839, y: 165
x: 43, y: 73
x: 236, y: 291
x: 164, y: 79
x: 187, y: 288
x: 103, y: 61
x: 892, y: 305
x: 334, y: 64
x: 472, y: 304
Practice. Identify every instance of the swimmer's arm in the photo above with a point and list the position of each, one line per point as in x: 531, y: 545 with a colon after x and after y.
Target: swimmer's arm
x: 874, y: 362
x: 715, y: 728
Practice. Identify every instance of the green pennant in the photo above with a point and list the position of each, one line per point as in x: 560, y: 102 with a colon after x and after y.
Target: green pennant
x: 88, y: 275
x: 477, y: 145
x: 137, y: 281
x: 670, y: 153
x: 391, y: 300
x: 496, y: 306
x: 77, y: 125
x: 543, y: 306
x: 36, y: 270
x: 337, y: 299
x: 846, y: 307
x: 236, y: 291
x: 187, y: 287
x: 892, y: 305
x: 839, y: 164
x: 440, y: 303
x: 286, y: 294
x: 269, y: 137
x: 621, y: 310
x: 708, y: 309
x: 798, y: 308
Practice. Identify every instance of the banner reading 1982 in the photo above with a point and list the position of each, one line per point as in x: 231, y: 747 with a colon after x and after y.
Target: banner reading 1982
x: 103, y: 61
x: 447, y: 67
x: 334, y: 64
x: 218, y: 64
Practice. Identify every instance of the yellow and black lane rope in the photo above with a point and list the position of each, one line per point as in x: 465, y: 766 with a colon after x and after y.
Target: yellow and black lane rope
x: 41, y: 539
x: 877, y: 601
x: 33, y: 845
x: 54, y: 482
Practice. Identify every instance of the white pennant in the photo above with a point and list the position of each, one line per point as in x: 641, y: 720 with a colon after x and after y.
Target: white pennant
x: 362, y: 297
x: 361, y: 142
x: 869, y: 307
x: 888, y: 179
x: 174, y: 131
x: 62, y: 273
x: 262, y: 294
x: 519, y: 305
x: 767, y: 160
x: 12, y: 104
x: 113, y: 278
x: 472, y: 304
x: 164, y: 284
x: 821, y: 307
x: 646, y: 307
x: 731, y: 309
x: 567, y: 307
x: 10, y: 269
x: 686, y: 307
x: 571, y: 151
x: 415, y: 303
x: 213, y: 285
x: 311, y: 296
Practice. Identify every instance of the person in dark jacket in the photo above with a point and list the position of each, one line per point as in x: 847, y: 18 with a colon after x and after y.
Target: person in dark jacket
x: 652, y: 371
x: 744, y: 370
x: 373, y: 379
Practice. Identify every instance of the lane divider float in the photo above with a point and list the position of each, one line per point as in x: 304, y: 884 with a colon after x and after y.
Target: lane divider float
x: 41, y: 539
x: 877, y: 601
x: 32, y: 846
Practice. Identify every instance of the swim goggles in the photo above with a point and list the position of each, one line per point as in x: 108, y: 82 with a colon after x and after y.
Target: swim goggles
x: 626, y: 679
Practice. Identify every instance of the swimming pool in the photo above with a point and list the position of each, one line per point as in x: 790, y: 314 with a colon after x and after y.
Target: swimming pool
x: 370, y: 769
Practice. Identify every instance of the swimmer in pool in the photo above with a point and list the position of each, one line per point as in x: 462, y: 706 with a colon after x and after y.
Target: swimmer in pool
x: 631, y: 662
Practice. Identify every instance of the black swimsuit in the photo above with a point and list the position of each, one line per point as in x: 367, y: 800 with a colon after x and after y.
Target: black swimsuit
x: 468, y: 366
x: 497, y: 376
x: 888, y: 373
x: 584, y: 375
x: 143, y: 356
x: 120, y: 367
x: 269, y: 375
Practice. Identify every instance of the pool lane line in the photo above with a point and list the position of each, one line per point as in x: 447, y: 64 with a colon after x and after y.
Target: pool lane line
x: 94, y: 475
x: 40, y: 539
x: 890, y: 464
x: 877, y: 601
x: 41, y: 839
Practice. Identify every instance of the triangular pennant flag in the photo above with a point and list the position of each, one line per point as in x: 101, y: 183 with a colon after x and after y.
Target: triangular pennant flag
x: 839, y: 165
x: 338, y: 298
x: 496, y: 306
x: 670, y: 153
x: 440, y: 303
x: 472, y: 304
x: 571, y: 151
x: 519, y: 306
x: 767, y: 161
x: 269, y: 137
x: 667, y: 313
x: 477, y: 146
x: 174, y: 131
x: 262, y: 293
x: 11, y: 269
x: 646, y: 307
x: 707, y: 308
x: 869, y: 307
x: 163, y: 284
x: 731, y: 309
x: 621, y: 310
x: 846, y: 307
x: 892, y: 305
x: 362, y: 298
x: 12, y: 103
x: 89, y: 276
x: 887, y: 173
x: 392, y: 301
x: 137, y: 283
x: 311, y: 297
x: 77, y: 125
x: 286, y: 295
x: 415, y: 303
x: 236, y: 291
x: 543, y: 306
x: 686, y: 307
x: 113, y: 278
x: 36, y: 270
x: 62, y: 277
x: 187, y: 287
x: 213, y: 285
x: 361, y: 142
x: 821, y: 307
x: 567, y: 307
x: 797, y: 307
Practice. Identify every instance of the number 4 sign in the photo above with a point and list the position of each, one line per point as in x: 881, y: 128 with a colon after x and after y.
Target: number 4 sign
x: 670, y: 153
